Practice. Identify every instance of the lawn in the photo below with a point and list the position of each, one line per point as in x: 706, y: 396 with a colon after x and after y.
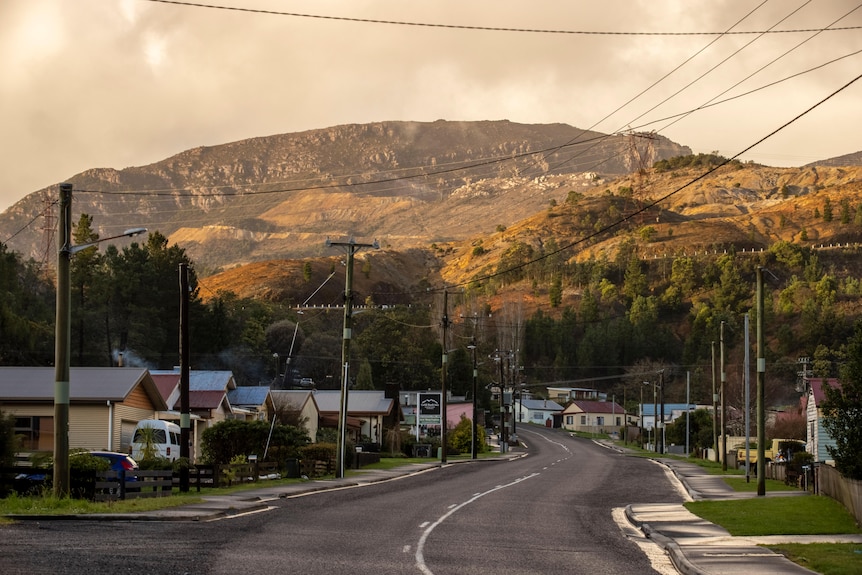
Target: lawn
x: 824, y: 558
x: 803, y: 515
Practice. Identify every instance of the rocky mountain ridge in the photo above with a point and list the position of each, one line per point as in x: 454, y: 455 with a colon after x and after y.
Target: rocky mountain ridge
x: 408, y: 184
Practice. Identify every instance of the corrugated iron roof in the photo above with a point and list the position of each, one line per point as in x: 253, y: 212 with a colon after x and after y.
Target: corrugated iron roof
x: 245, y: 395
x: 583, y: 406
x: 203, y: 380
x: 86, y: 384
x: 541, y: 404
x: 358, y: 401
x: 206, y: 399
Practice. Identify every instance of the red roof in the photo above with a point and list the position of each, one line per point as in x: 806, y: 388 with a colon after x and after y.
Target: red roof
x: 205, y: 399
x: 166, y: 383
x: 817, y: 388
x: 583, y: 406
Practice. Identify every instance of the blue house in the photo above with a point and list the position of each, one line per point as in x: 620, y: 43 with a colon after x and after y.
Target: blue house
x: 817, y: 438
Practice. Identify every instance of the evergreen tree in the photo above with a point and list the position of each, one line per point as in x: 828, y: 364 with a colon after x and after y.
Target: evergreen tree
x: 843, y: 411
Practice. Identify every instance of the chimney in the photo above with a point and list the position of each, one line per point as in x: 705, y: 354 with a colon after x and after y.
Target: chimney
x: 120, y: 359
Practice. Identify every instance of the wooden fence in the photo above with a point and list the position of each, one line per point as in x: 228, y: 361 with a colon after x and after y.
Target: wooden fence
x: 846, y: 491
x: 111, y: 485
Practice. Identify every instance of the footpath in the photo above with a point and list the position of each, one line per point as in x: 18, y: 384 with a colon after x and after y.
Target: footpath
x: 695, y: 546
x: 698, y: 547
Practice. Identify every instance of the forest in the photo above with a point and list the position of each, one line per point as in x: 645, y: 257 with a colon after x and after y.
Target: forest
x: 634, y: 317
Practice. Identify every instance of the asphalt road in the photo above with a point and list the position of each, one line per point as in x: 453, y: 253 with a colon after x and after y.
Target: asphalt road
x: 549, y: 512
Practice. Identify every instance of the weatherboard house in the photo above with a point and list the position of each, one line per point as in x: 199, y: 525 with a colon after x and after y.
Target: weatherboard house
x: 105, y: 405
x: 818, y: 440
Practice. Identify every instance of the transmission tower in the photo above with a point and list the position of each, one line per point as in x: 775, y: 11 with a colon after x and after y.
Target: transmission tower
x: 641, y: 156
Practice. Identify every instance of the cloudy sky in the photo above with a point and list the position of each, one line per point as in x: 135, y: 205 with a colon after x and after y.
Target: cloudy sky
x: 118, y: 83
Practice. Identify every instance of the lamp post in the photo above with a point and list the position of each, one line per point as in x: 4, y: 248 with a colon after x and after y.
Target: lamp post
x: 63, y: 336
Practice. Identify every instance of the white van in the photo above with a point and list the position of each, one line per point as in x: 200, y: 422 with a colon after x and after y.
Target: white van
x: 166, y: 439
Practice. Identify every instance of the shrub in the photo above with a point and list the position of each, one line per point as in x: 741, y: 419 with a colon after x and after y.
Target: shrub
x: 230, y: 438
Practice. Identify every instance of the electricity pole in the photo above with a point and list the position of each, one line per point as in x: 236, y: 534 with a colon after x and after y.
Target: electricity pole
x: 62, y: 337
x: 62, y: 347
x: 185, y: 411
x: 761, y: 378
x: 352, y: 248
x: 474, y: 448
x: 714, y: 407
x: 723, y: 407
x: 444, y: 322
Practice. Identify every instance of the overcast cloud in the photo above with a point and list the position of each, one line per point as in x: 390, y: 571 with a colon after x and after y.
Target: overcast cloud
x: 118, y: 83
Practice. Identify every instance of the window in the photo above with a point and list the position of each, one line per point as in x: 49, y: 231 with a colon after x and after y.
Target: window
x: 618, y: 422
x: 570, y: 419
x: 583, y: 420
x: 36, y: 433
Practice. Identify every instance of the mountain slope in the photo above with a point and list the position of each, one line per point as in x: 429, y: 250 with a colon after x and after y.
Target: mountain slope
x: 406, y: 183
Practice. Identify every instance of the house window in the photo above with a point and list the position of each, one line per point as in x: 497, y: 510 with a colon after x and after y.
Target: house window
x: 583, y: 420
x: 570, y: 420
x: 36, y: 433
x: 600, y: 420
x: 618, y: 422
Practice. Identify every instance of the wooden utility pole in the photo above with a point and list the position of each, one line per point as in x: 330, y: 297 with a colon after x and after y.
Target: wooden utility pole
x: 761, y: 377
x: 444, y: 323
x: 352, y: 248
x: 185, y: 411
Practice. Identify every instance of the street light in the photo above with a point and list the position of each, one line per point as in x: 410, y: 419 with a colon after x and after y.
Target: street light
x: 63, y: 336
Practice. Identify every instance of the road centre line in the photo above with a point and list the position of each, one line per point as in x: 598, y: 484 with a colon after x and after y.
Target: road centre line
x: 420, y: 546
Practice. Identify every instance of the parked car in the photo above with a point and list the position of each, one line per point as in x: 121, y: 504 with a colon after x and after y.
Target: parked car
x: 164, y: 439
x: 31, y: 483
x: 119, y: 461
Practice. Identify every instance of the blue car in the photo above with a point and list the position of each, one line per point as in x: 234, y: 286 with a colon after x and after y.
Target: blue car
x: 29, y: 483
x: 119, y: 461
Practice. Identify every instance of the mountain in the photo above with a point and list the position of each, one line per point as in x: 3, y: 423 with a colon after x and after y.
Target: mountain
x: 407, y: 184
x: 854, y: 159
x: 744, y: 207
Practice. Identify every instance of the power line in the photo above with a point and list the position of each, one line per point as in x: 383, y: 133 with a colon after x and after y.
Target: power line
x: 485, y: 28
x: 654, y: 203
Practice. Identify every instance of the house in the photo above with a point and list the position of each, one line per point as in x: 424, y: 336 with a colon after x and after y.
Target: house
x: 207, y: 394
x: 298, y: 408
x: 371, y: 410
x: 208, y: 400
x: 594, y: 416
x: 250, y: 402
x: 672, y: 412
x: 817, y: 437
x: 105, y: 404
x: 538, y: 411
x: 566, y: 394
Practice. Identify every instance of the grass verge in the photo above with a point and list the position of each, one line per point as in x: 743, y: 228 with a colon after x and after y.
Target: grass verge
x: 824, y: 558
x: 804, y: 515
x: 47, y: 504
x: 743, y: 486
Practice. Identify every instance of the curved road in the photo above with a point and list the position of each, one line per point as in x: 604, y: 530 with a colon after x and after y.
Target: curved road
x: 548, y: 512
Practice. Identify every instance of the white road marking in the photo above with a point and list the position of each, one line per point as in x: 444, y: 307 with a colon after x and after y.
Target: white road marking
x: 252, y: 512
x: 420, y: 546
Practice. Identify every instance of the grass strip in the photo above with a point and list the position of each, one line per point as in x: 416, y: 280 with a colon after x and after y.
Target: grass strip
x: 824, y: 558
x: 803, y: 515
